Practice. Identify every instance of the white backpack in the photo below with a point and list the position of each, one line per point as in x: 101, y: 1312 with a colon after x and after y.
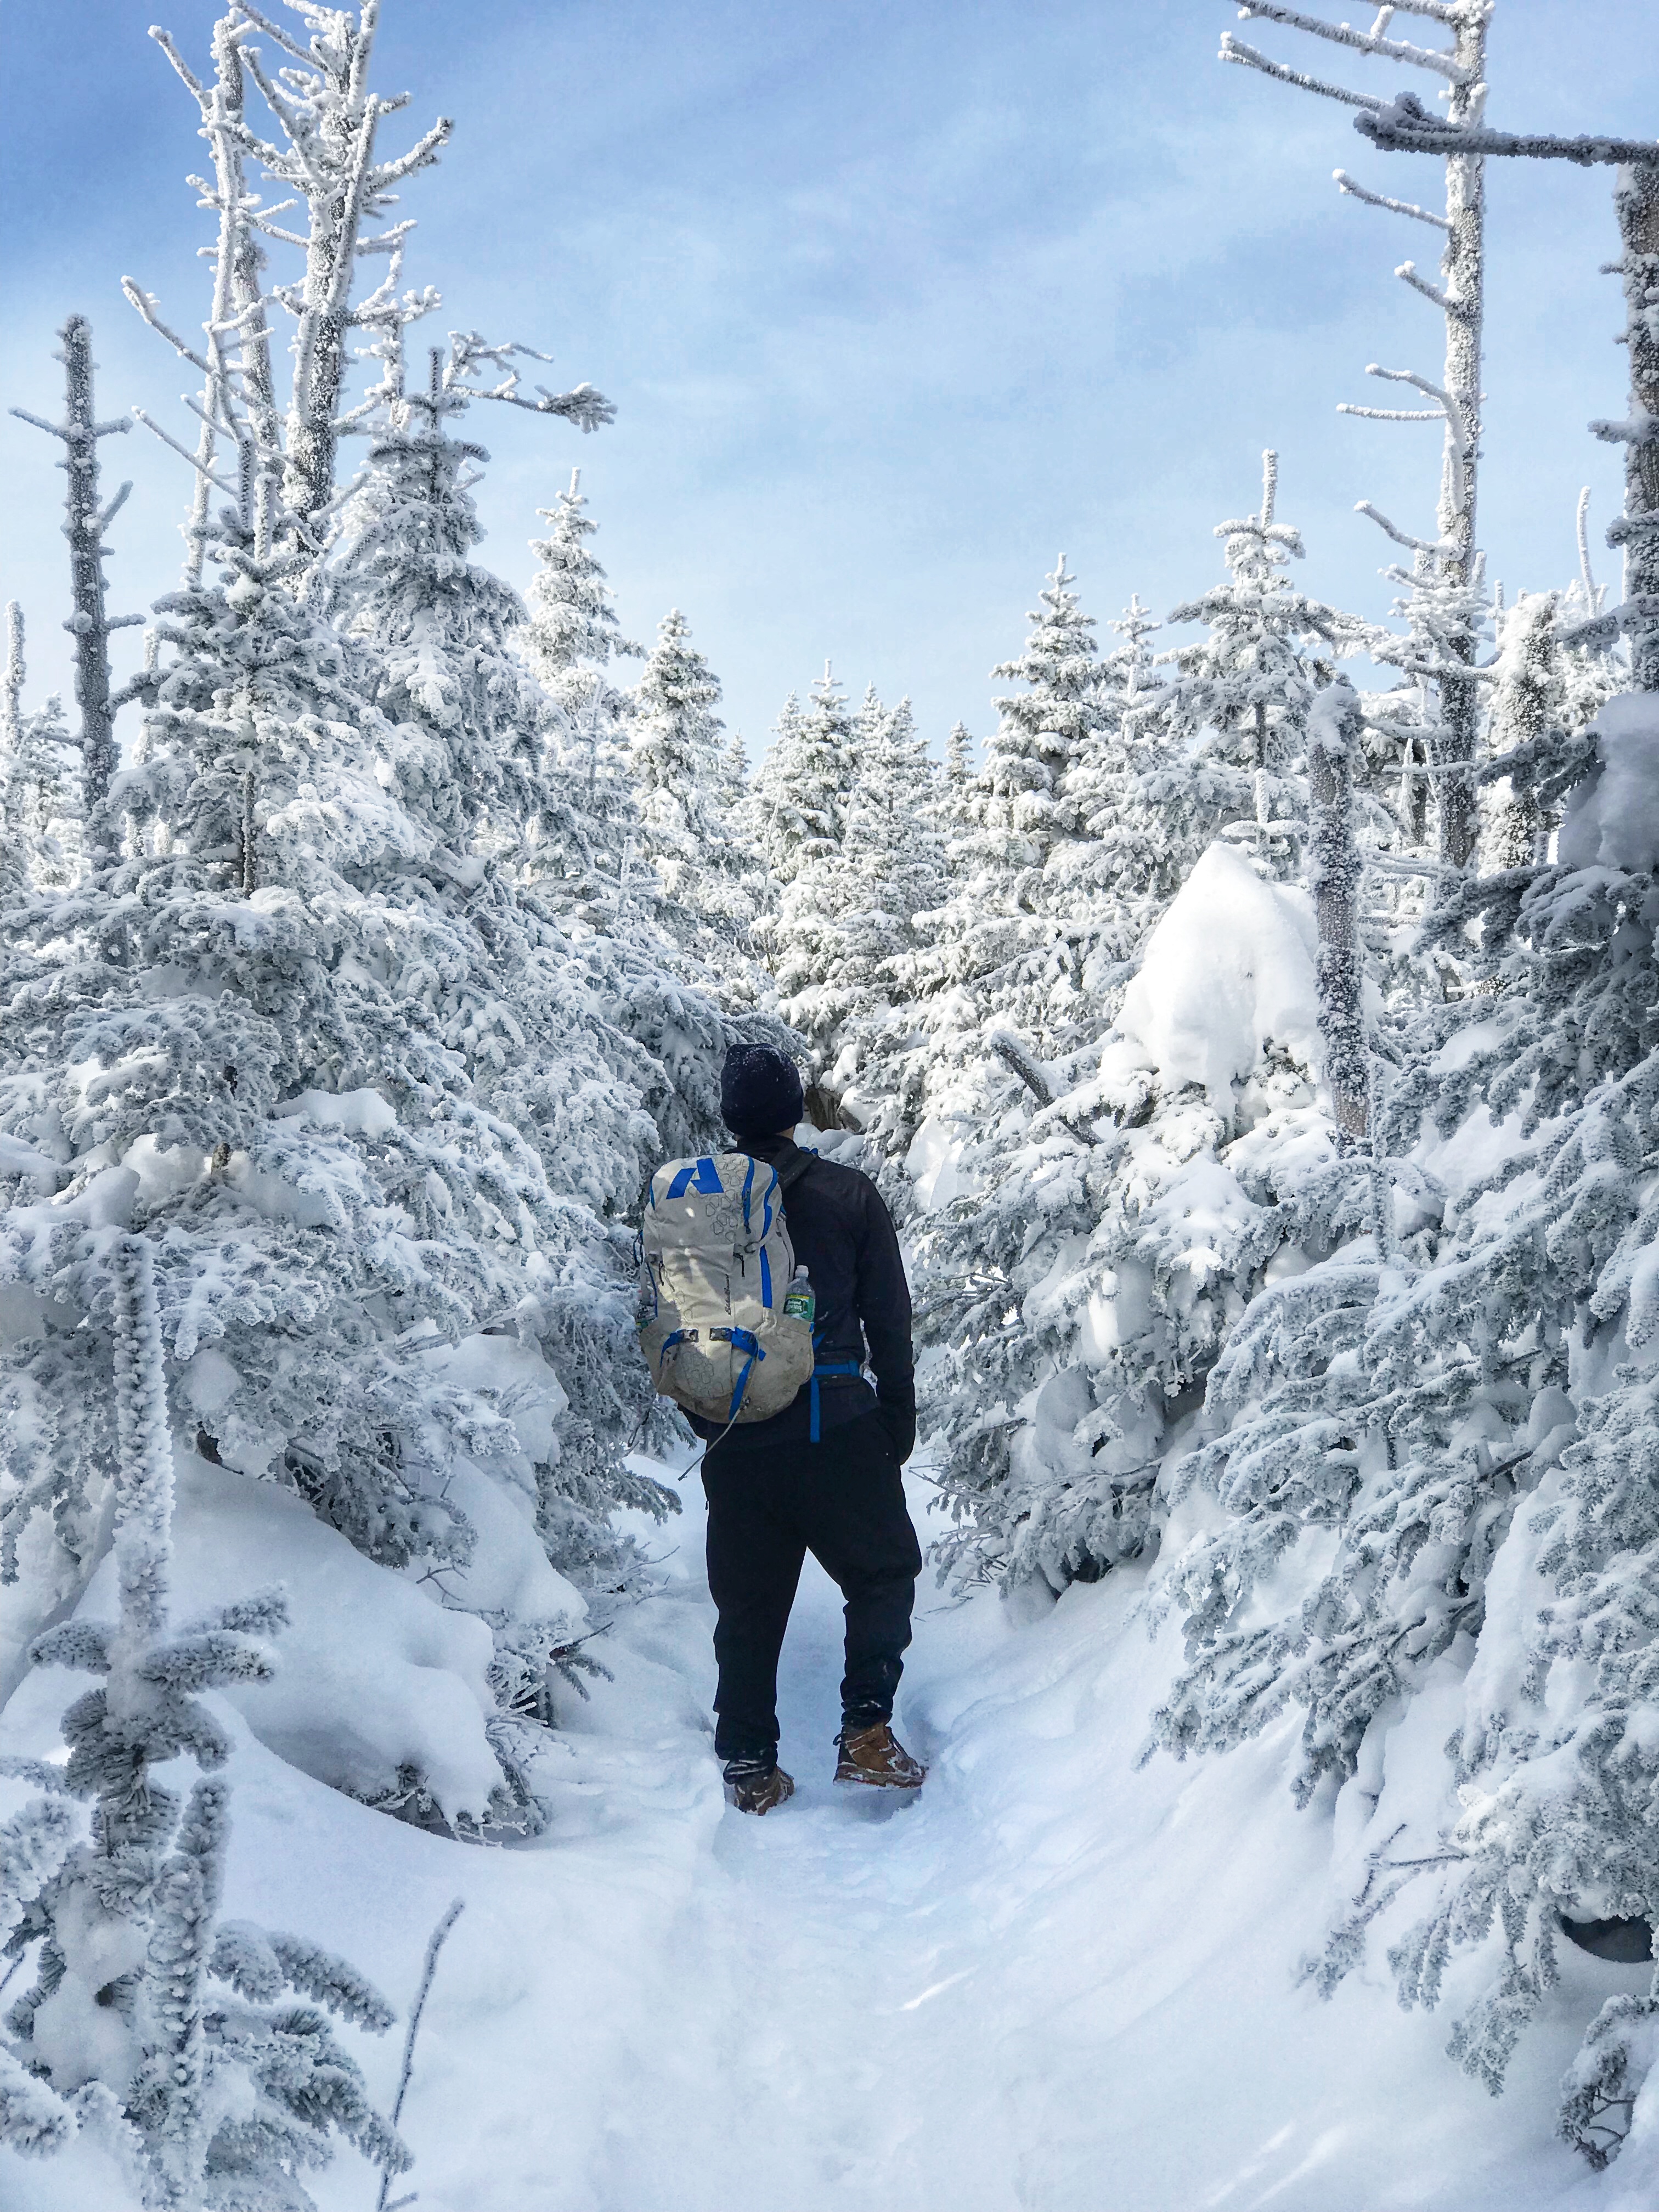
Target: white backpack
x: 716, y: 1262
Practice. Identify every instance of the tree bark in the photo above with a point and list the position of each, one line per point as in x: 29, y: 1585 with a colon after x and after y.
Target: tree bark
x: 1464, y: 271
x: 1334, y: 878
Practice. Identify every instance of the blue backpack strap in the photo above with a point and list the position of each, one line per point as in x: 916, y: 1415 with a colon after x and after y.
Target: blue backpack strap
x: 744, y: 1341
x: 827, y: 1367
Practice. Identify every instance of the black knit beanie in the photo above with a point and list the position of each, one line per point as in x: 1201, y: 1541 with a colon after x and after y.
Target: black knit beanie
x: 760, y: 1091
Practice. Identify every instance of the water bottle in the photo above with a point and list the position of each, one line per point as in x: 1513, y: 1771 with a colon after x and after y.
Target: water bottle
x: 799, y: 1302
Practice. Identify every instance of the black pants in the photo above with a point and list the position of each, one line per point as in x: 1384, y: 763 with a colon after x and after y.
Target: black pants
x: 843, y: 1500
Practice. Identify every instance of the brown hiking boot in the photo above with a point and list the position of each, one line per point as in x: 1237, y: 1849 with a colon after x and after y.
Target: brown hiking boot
x: 755, y: 1786
x: 875, y: 1756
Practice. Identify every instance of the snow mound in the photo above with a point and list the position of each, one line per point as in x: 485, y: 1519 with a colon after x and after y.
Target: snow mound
x: 372, y: 1674
x: 1612, y: 819
x: 1230, y: 968
x: 359, y: 1113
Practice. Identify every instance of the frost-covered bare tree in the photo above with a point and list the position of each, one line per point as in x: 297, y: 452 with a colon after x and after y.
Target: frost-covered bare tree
x: 1448, y: 561
x: 86, y: 522
x: 1404, y: 126
x: 325, y: 153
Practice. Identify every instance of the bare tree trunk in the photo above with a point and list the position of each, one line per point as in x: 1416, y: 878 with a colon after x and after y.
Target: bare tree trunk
x: 1636, y: 198
x: 249, y: 832
x: 1333, y: 871
x: 1463, y: 267
x: 11, y: 683
x: 85, y: 528
x: 84, y: 524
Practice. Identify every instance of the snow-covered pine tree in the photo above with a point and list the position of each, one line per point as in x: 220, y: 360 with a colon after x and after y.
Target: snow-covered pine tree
x: 1073, y: 1309
x: 151, y: 2020
x: 1545, y: 688
x: 894, y: 834
x: 830, y: 929
x: 993, y: 957
x: 262, y: 1034
x: 804, y: 784
x: 1243, y: 693
x: 471, y: 719
x: 1082, y: 1254
x: 1539, y: 1315
x: 1132, y: 829
x: 842, y: 931
x: 40, y: 786
x: 682, y: 788
x: 958, y: 756
x: 734, y: 775
x: 1041, y: 732
x: 569, y: 643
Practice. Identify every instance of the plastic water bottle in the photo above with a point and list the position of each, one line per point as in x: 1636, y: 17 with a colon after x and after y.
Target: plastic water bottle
x: 799, y: 1302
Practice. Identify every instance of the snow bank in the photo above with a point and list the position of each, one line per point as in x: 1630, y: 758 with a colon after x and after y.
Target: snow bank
x: 1612, y: 819
x: 1228, y: 970
x: 359, y: 1113
x: 509, y: 1570
x: 933, y: 1164
x: 373, y: 1675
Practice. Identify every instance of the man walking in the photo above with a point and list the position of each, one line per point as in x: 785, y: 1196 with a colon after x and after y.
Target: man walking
x: 821, y: 1476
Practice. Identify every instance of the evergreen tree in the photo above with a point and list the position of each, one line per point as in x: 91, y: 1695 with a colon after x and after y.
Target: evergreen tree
x: 681, y: 782
x: 1041, y: 731
x: 469, y: 719
x: 826, y: 935
x: 291, y: 1024
x: 958, y: 756
x: 40, y: 806
x: 1244, y: 692
x: 804, y: 784
x: 987, y: 957
x: 569, y: 643
x: 1134, y: 827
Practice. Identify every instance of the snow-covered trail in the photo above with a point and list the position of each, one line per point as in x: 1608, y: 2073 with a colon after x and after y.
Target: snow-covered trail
x: 1052, y: 1983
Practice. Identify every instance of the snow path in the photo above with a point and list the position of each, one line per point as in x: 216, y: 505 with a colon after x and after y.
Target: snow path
x: 1052, y: 1983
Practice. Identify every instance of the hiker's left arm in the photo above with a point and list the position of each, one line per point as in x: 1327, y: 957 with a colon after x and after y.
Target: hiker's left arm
x: 883, y: 1301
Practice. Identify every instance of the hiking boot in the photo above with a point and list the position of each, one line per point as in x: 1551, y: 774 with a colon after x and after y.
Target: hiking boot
x: 874, y: 1756
x: 756, y: 1785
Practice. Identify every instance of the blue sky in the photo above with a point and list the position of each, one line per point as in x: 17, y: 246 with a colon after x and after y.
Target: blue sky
x: 896, y: 301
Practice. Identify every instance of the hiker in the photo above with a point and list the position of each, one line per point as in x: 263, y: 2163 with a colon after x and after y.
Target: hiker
x: 822, y: 1475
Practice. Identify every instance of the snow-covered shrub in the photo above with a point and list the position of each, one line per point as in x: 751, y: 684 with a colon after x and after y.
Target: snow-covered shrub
x: 1433, y: 1443
x: 1109, y: 1228
x: 150, y: 2017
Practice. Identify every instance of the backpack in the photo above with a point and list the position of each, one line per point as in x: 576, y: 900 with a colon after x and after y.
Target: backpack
x: 715, y: 1261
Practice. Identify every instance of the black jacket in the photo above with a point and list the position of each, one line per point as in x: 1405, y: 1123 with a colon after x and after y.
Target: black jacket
x: 843, y: 1235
